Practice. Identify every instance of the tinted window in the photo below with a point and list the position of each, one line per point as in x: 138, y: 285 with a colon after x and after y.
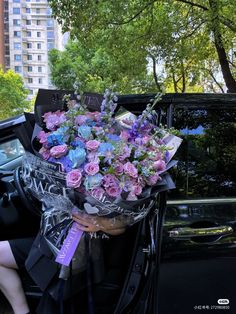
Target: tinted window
x: 10, y: 150
x: 207, y: 156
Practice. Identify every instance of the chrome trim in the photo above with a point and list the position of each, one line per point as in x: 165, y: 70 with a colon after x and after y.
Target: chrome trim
x: 187, y: 232
x: 202, y: 201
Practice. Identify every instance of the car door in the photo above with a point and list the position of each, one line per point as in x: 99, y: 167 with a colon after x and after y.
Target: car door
x: 198, y: 266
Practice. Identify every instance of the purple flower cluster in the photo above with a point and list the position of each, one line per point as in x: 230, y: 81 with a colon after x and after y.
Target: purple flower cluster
x: 101, y: 155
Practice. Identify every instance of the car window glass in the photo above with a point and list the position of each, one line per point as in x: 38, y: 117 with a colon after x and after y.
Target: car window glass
x: 10, y: 150
x: 207, y: 156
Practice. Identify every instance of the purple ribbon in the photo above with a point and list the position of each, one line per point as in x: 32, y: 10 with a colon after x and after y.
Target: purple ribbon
x: 69, y: 246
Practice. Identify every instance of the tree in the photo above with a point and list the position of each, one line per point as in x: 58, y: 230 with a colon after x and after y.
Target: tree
x: 191, y: 38
x: 96, y: 69
x: 12, y: 94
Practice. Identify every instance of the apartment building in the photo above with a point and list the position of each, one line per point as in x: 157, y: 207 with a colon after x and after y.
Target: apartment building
x: 29, y: 34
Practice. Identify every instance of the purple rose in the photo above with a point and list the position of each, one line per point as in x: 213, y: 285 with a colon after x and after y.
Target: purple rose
x: 109, y: 180
x: 59, y: 151
x: 119, y: 168
x: 45, y: 153
x: 113, y: 190
x: 73, y: 178
x: 131, y: 197
x: 92, y: 145
x: 136, y: 189
x: 54, y: 119
x: 130, y: 170
x: 43, y: 137
x: 80, y: 119
x: 152, y: 180
x: 97, y: 192
x: 91, y: 168
x: 159, y: 165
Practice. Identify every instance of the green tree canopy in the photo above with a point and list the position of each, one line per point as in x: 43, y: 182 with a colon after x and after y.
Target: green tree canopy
x: 186, y: 43
x: 12, y: 95
x: 96, y: 69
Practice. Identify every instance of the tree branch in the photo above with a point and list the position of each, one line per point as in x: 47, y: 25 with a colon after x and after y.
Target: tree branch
x: 193, y: 4
x: 134, y: 16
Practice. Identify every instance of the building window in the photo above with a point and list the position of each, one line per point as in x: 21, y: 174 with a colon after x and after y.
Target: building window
x: 16, y: 22
x: 18, y: 69
x: 50, y: 46
x: 16, y: 1
x: 38, y: 22
x: 39, y: 69
x: 17, y: 34
x: 16, y: 10
x: 30, y: 80
x: 38, y: 34
x: 30, y: 69
x: 17, y: 46
x: 31, y: 92
x: 28, y: 34
x: 39, y: 58
x: 17, y: 57
x: 27, y: 10
x: 49, y: 11
x: 28, y: 22
x: 29, y: 57
x: 50, y: 22
x: 37, y: 10
x: 29, y: 45
x: 40, y: 80
x: 39, y: 46
x: 50, y: 34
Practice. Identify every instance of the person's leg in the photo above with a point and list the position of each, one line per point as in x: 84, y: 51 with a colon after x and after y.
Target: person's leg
x: 10, y: 283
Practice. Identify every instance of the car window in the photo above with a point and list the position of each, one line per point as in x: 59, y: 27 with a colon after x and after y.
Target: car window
x: 207, y: 156
x: 10, y: 150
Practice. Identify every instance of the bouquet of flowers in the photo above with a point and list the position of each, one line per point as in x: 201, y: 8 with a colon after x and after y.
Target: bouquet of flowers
x: 101, y: 168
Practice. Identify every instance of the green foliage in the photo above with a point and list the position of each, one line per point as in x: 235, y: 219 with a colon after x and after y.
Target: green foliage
x: 12, y: 95
x: 180, y: 40
x: 96, y: 68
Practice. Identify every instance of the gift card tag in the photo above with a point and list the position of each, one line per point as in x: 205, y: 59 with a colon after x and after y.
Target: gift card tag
x: 90, y: 209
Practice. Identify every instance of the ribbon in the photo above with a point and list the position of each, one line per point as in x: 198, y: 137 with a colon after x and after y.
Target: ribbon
x: 69, y: 246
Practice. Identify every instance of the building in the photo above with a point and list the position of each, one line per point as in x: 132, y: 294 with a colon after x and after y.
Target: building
x: 29, y: 33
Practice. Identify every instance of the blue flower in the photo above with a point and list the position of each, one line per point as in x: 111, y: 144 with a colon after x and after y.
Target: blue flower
x: 64, y: 161
x: 113, y: 137
x: 55, y: 139
x: 77, y: 143
x: 104, y: 148
x: 84, y: 131
x: 90, y: 122
x: 91, y: 182
x: 77, y: 156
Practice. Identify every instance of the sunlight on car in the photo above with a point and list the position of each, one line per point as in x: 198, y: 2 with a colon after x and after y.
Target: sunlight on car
x: 10, y: 150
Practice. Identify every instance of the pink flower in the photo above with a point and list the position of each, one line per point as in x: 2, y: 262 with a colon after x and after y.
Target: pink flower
x: 136, y: 189
x: 54, y: 119
x: 93, y: 115
x: 91, y: 168
x: 59, y: 151
x: 92, y: 145
x: 124, y: 135
x: 109, y: 180
x: 80, y: 119
x: 130, y: 170
x: 159, y: 165
x: 43, y: 136
x: 97, y: 192
x: 131, y: 197
x: 125, y: 153
x: 45, y: 153
x: 152, y: 180
x: 119, y: 168
x: 113, y: 190
x: 73, y: 178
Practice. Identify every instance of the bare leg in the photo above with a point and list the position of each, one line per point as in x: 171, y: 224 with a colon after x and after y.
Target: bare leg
x: 10, y: 283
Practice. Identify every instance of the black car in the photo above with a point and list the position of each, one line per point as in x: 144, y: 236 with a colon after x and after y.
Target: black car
x: 183, y: 260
